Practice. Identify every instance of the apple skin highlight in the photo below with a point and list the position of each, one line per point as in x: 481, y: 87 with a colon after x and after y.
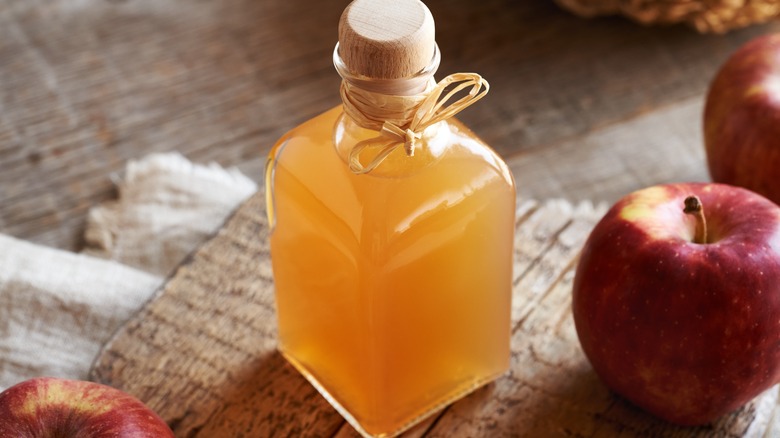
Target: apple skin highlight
x: 686, y: 331
x: 742, y: 119
x: 53, y: 407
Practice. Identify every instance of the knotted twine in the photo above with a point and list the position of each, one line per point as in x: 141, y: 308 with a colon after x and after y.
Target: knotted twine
x: 401, y: 120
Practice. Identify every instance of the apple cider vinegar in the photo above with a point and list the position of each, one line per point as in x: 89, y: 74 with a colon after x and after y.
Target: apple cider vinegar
x: 392, y: 269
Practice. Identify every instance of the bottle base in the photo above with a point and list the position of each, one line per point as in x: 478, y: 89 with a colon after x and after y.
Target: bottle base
x: 457, y: 395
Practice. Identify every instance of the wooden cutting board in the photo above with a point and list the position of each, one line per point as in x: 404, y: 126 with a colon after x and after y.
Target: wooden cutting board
x: 202, y: 351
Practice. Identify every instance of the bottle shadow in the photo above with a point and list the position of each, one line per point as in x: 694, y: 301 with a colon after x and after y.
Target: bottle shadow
x: 269, y: 397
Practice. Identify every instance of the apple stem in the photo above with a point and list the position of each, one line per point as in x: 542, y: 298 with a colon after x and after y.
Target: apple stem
x: 693, y: 206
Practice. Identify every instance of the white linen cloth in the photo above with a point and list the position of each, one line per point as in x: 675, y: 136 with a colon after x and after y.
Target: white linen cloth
x: 58, y: 308
x: 167, y: 206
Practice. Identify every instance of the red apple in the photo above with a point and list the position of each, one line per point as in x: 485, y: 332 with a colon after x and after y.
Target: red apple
x: 685, y: 326
x: 742, y: 119
x: 50, y: 407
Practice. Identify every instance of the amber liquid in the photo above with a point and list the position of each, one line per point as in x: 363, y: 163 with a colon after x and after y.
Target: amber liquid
x: 393, y: 288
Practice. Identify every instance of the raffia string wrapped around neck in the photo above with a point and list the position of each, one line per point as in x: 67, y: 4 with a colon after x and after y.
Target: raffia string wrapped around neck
x: 401, y: 120
x: 387, y: 56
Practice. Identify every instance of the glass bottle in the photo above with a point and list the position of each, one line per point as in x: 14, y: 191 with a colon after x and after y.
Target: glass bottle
x: 393, y: 276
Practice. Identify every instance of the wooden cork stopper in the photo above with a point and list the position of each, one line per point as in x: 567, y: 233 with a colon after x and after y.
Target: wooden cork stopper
x: 387, y: 39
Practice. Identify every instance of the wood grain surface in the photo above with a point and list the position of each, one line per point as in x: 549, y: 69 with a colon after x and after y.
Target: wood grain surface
x: 202, y: 351
x: 86, y: 85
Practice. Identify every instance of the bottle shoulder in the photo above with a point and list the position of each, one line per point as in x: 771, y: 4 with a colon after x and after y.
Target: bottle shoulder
x: 470, y: 144
x: 455, y: 171
x: 333, y: 134
x: 316, y: 126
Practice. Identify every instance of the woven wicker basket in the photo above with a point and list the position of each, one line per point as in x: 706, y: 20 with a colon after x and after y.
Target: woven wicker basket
x: 707, y: 16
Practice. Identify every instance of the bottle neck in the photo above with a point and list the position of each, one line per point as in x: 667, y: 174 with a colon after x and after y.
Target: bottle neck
x: 369, y: 103
x: 400, y: 110
x: 379, y: 104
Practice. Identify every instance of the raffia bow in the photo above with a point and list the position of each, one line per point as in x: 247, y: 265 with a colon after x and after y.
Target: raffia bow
x: 401, y: 120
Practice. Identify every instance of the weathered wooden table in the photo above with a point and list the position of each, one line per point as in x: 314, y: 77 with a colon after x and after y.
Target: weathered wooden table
x: 202, y: 353
x: 582, y: 110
